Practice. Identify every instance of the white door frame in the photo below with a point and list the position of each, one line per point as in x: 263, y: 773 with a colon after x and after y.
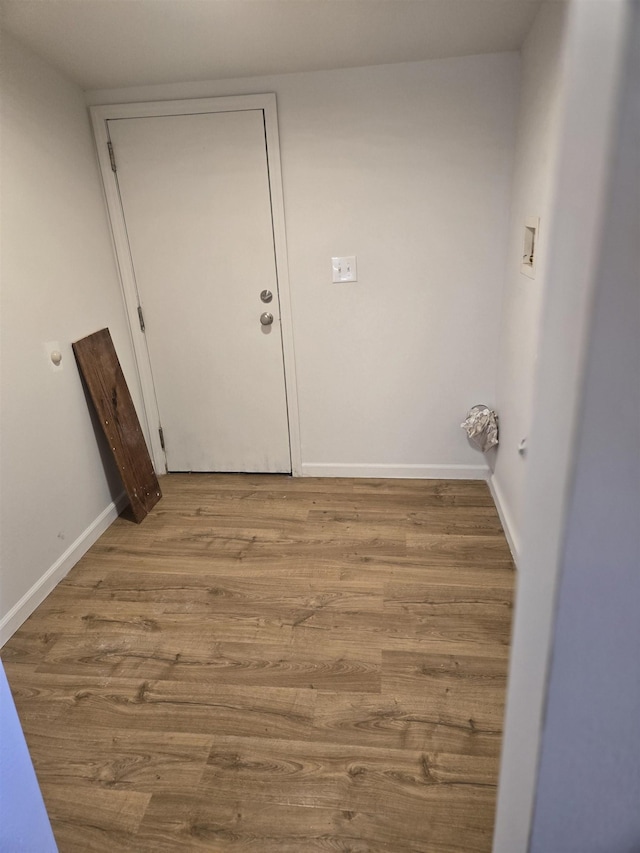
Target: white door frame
x: 267, y: 103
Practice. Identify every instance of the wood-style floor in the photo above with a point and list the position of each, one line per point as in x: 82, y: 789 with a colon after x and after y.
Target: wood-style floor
x: 275, y: 664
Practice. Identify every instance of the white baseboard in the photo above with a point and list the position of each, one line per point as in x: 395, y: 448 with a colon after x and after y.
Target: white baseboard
x: 505, y: 518
x: 420, y: 472
x: 10, y: 623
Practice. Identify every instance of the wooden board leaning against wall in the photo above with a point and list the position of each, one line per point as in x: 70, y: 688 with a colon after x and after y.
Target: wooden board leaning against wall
x: 100, y: 368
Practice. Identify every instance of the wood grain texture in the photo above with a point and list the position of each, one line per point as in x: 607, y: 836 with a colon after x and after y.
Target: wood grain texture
x: 100, y: 368
x: 275, y: 664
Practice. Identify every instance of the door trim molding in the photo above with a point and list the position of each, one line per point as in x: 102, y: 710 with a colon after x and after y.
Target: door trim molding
x: 100, y: 115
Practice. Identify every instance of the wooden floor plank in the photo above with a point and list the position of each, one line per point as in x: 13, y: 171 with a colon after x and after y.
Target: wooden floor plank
x: 93, y: 818
x: 412, y: 720
x: 159, y: 706
x: 275, y: 664
x: 124, y: 558
x: 207, y: 593
x: 135, y: 653
x: 340, y: 776
x: 455, y: 688
x: 224, y: 822
x: 474, y: 521
x: 472, y: 619
x: 147, y: 762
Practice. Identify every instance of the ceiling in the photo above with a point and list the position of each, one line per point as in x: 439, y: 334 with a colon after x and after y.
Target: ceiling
x: 113, y: 43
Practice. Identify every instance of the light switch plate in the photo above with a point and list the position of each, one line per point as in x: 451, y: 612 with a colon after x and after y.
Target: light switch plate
x: 344, y: 269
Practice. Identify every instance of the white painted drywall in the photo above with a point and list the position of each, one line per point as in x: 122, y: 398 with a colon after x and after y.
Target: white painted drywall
x: 408, y: 168
x: 59, y: 283
x: 595, y: 35
x: 589, y: 781
x: 533, y: 175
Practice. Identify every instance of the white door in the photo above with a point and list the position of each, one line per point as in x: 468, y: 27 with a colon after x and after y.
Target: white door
x: 197, y: 207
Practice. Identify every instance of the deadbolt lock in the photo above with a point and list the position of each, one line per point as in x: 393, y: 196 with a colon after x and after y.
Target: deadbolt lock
x: 266, y: 296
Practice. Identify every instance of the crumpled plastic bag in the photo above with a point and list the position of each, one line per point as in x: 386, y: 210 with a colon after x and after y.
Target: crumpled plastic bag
x: 481, y: 425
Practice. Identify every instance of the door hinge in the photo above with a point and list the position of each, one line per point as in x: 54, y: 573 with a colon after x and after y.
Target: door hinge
x: 161, y: 433
x: 112, y: 157
x: 141, y: 318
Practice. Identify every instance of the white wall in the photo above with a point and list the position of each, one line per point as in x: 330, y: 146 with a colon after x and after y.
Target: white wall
x: 531, y: 196
x: 407, y: 167
x: 593, y: 705
x: 59, y: 283
x: 576, y: 483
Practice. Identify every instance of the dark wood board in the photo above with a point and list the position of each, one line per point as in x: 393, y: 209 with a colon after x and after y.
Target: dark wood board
x: 100, y: 368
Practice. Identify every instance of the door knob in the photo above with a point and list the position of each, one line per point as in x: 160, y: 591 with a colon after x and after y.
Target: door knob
x: 266, y: 296
x: 266, y: 319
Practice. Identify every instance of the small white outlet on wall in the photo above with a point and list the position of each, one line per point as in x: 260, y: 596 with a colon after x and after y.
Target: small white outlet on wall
x: 344, y: 269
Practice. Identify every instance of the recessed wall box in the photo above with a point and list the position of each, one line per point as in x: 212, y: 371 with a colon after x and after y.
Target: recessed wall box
x: 530, y: 246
